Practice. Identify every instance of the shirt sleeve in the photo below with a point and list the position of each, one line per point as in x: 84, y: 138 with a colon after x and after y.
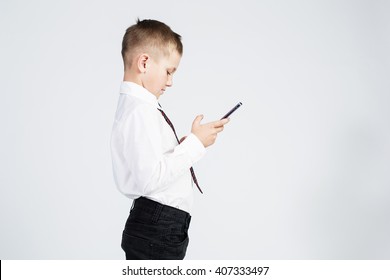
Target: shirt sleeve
x: 150, y: 168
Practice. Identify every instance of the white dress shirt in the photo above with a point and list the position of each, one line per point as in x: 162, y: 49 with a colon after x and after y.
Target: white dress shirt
x: 147, y: 160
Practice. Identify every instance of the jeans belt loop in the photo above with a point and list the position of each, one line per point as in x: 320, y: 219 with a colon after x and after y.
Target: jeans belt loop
x: 157, y: 213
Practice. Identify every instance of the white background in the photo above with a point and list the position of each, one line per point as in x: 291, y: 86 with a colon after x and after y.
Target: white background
x: 300, y: 172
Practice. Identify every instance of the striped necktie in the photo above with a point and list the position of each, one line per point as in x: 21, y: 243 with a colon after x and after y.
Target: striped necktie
x: 174, y: 131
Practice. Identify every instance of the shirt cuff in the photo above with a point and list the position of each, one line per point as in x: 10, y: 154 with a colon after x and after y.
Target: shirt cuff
x: 194, y: 147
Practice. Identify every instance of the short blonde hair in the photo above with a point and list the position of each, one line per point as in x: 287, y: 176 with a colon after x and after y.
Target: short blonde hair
x: 150, y: 36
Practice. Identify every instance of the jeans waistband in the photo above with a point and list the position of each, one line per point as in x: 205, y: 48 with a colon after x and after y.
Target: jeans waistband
x: 156, y: 211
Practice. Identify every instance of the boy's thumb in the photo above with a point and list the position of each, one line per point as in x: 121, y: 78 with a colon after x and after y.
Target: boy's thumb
x: 197, y: 120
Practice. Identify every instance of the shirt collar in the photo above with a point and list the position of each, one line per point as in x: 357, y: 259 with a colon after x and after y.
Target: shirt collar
x: 140, y: 92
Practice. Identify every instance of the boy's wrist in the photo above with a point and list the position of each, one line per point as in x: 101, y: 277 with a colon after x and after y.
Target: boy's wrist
x: 194, y: 146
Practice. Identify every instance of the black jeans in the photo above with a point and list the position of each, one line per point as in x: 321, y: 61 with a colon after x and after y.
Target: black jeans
x: 155, y: 231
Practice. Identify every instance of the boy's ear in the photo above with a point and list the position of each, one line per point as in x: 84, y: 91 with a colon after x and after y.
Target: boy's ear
x: 143, y: 60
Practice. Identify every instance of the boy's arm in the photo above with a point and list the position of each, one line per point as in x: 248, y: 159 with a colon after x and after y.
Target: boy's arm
x: 150, y: 168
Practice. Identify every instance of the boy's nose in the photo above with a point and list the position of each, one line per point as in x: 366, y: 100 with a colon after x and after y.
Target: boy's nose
x: 169, y: 82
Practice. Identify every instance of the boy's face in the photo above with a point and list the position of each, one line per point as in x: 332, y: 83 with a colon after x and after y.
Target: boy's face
x: 159, y: 73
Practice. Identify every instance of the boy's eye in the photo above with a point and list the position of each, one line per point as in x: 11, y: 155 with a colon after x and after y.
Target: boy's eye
x: 169, y: 73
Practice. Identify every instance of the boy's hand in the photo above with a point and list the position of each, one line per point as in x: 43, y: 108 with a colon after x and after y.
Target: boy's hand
x: 207, y: 133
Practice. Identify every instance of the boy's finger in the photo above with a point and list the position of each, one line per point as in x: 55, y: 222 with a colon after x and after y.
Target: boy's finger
x: 219, y: 129
x: 220, y: 122
x: 198, y: 119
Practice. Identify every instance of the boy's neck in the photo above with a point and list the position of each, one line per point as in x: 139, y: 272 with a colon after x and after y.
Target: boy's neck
x: 129, y: 77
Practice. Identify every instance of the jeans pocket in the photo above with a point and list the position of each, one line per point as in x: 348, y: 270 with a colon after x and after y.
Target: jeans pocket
x: 176, y: 250
x: 175, y: 235
x: 136, y: 248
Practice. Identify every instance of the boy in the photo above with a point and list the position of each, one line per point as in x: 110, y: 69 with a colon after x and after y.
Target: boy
x: 150, y: 164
